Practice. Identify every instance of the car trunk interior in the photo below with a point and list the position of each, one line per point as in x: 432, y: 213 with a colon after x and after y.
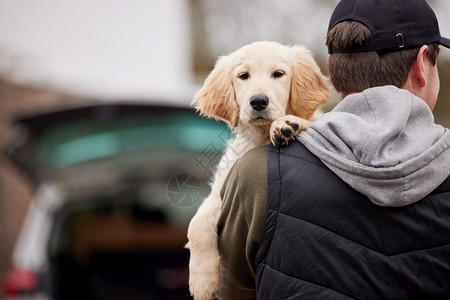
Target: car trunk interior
x: 124, y: 251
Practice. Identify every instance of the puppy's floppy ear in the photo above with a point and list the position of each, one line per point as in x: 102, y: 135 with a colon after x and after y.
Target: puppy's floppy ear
x: 310, y: 89
x: 216, y: 98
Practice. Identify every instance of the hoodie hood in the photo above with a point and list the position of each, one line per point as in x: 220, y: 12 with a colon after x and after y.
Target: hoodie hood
x: 384, y: 143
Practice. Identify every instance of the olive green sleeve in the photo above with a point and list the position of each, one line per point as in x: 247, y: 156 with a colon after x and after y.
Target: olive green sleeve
x: 241, y: 224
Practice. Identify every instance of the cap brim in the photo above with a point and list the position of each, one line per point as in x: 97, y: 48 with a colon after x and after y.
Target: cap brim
x: 445, y: 42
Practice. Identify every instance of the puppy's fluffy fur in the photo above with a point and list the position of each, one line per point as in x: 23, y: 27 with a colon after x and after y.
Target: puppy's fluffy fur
x: 263, y: 91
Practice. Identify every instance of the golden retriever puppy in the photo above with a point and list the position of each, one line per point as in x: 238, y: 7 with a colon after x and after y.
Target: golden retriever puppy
x: 263, y: 91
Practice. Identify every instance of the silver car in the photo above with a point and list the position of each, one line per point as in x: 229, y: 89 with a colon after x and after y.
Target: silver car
x: 116, y: 187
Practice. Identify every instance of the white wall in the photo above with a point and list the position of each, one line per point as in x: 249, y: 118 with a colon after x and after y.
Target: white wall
x: 99, y: 48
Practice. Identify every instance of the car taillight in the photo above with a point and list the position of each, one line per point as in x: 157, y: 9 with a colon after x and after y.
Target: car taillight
x: 20, y: 281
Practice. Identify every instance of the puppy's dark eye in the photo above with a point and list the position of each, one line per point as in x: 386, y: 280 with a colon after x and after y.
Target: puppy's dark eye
x: 244, y: 76
x: 278, y: 74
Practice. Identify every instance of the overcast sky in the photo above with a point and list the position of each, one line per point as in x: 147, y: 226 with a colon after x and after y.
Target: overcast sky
x: 141, y: 48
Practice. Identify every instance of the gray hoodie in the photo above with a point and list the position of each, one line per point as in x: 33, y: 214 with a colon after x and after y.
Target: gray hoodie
x: 384, y: 143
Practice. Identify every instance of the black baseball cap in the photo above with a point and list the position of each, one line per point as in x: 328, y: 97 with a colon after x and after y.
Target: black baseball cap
x: 395, y: 24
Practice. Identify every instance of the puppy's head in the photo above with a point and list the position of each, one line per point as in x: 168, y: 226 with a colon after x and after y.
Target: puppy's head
x: 260, y: 82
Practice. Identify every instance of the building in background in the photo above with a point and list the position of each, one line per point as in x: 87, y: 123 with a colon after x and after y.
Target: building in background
x: 99, y: 49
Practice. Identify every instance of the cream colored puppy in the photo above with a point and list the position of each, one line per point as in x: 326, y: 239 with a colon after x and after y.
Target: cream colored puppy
x: 263, y: 91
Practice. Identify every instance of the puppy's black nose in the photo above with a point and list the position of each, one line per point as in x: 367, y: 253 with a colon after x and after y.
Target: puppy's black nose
x: 259, y: 102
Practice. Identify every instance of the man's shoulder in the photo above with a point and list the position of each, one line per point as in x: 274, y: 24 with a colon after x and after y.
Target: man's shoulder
x: 249, y: 171
x: 254, y: 158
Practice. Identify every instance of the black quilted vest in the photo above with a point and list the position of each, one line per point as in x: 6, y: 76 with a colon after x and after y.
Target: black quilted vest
x: 324, y: 240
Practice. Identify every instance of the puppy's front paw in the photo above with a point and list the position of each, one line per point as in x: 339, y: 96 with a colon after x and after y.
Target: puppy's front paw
x: 204, y: 278
x: 286, y: 129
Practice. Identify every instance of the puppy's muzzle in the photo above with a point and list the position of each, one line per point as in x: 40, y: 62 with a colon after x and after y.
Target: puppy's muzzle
x: 259, y: 102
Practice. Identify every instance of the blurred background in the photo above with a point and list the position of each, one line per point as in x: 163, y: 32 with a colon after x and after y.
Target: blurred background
x: 61, y: 53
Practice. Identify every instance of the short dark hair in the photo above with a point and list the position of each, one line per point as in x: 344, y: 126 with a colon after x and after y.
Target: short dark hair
x: 355, y: 72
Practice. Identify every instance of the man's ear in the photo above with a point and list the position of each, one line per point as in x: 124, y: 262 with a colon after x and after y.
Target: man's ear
x: 418, y: 66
